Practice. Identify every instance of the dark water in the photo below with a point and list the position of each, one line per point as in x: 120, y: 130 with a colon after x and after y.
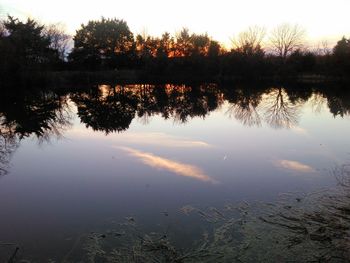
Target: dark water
x: 76, y: 162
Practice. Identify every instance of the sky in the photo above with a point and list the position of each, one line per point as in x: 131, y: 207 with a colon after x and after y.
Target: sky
x: 221, y: 19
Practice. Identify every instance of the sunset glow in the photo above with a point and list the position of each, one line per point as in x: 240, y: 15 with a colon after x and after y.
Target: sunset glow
x: 323, y: 20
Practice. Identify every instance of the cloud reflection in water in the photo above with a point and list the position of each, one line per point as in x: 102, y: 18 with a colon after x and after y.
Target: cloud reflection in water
x: 163, y: 139
x: 176, y: 167
x: 295, y: 166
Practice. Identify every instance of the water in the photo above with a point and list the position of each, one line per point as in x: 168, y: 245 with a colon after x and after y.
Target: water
x: 81, y: 161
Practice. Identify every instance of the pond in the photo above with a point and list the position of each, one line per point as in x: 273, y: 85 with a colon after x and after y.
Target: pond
x: 79, y: 162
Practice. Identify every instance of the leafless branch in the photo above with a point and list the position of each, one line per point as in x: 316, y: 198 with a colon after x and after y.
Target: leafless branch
x: 287, y: 38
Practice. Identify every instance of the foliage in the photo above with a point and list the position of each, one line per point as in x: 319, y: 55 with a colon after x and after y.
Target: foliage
x: 106, y: 42
x: 24, y: 46
x: 341, y: 56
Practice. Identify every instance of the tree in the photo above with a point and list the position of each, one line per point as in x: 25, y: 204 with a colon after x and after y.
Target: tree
x: 8, y: 145
x: 247, y: 56
x: 59, y: 39
x: 342, y: 48
x: 107, y: 41
x: 183, y: 43
x: 2, y: 29
x: 341, y: 56
x: 286, y: 38
x: 147, y: 46
x: 214, y: 49
x: 166, y: 45
x: 24, y: 46
x: 199, y: 44
x: 249, y: 41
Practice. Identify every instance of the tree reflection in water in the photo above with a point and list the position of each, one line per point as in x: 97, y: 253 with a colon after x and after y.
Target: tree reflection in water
x: 45, y: 115
x: 107, y: 108
x: 243, y: 106
x: 112, y: 108
x: 280, y: 112
x: 8, y: 145
x: 316, y: 230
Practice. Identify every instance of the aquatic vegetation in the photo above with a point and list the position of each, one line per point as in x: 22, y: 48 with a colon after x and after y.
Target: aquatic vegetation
x: 298, y: 227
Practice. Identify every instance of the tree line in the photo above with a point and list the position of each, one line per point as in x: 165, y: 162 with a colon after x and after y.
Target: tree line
x: 109, y: 44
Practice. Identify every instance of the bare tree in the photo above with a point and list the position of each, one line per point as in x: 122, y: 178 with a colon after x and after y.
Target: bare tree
x: 280, y: 112
x: 2, y: 28
x: 318, y: 102
x: 60, y: 40
x: 287, y: 38
x: 246, y: 114
x: 250, y: 39
x: 8, y: 145
x: 323, y: 48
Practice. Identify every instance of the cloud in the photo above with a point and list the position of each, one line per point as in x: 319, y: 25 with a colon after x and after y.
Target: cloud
x: 295, y: 166
x: 299, y: 130
x: 179, y: 168
x: 163, y: 139
x: 144, y: 138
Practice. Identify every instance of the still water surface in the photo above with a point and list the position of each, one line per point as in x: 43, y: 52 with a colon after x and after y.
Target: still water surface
x: 76, y: 162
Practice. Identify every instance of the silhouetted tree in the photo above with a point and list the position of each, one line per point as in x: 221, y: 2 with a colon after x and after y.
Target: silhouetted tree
x: 199, y: 45
x: 109, y: 44
x: 249, y: 42
x: 146, y: 46
x: 24, y: 46
x: 59, y: 39
x: 286, y: 38
x: 342, y: 48
x: 183, y: 43
x: 214, y: 49
x: 246, y: 58
x: 341, y: 56
x: 105, y: 42
x: 2, y: 29
x: 167, y: 44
